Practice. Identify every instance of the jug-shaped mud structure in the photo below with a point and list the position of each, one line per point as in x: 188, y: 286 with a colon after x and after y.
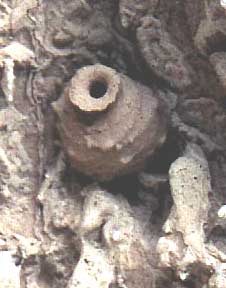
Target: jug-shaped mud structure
x: 109, y: 124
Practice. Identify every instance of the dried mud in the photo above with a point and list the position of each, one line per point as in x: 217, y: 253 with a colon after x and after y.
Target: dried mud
x: 158, y: 225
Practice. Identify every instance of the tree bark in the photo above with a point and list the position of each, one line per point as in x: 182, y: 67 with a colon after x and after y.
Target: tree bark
x: 164, y: 224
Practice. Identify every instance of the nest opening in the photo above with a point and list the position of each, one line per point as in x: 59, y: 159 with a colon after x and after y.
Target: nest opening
x: 98, y: 88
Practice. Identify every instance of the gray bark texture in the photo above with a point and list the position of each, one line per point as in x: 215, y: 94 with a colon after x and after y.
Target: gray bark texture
x: 127, y: 190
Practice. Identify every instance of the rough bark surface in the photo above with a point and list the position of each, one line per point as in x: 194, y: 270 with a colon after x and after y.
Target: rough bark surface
x: 163, y: 226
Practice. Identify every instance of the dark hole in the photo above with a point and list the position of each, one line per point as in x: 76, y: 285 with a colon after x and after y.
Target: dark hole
x: 98, y: 89
x: 17, y: 260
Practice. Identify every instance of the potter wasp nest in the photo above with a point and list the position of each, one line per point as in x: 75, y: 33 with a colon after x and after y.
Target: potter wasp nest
x: 108, y: 123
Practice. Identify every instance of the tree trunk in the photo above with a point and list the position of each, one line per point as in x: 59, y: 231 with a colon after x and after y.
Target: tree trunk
x: 143, y: 206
